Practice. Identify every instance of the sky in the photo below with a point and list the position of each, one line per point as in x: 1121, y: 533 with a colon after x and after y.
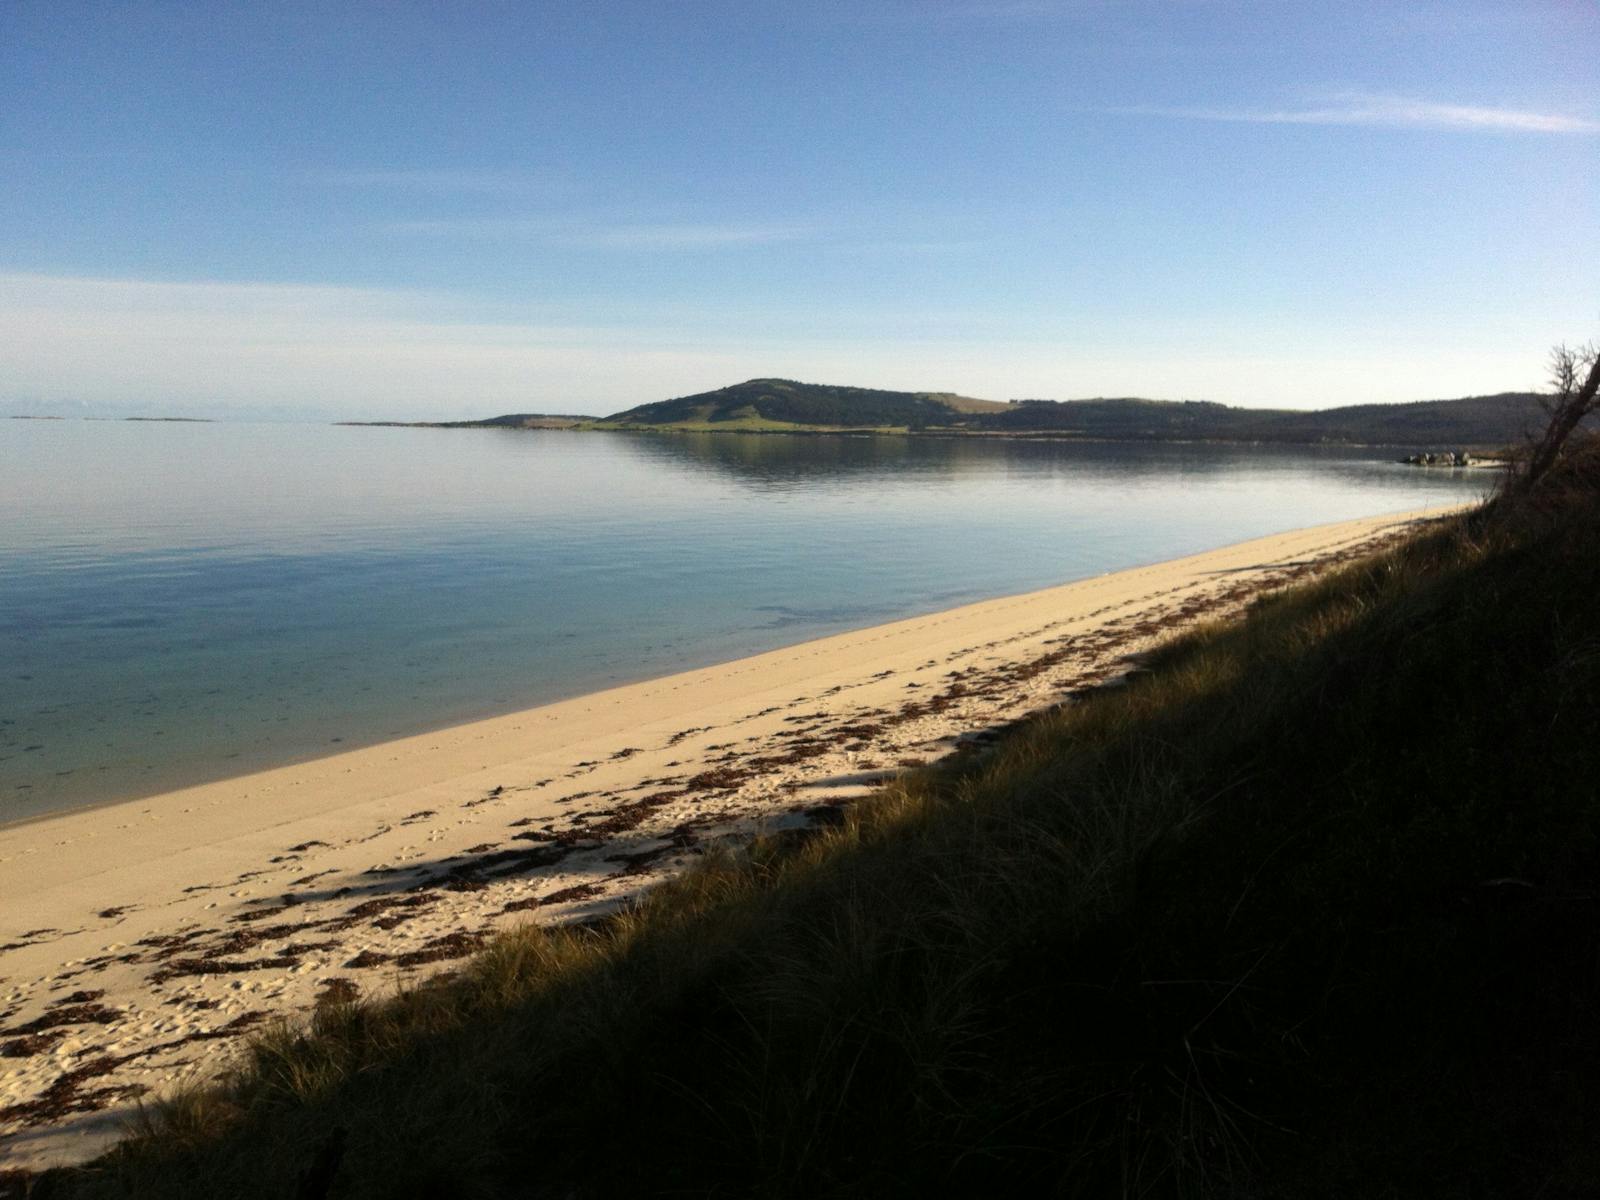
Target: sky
x: 415, y: 210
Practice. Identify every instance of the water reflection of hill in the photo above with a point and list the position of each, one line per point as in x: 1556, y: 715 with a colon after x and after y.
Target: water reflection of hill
x: 784, y: 461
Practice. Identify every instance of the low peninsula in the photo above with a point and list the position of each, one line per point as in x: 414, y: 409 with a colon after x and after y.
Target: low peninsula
x: 786, y: 406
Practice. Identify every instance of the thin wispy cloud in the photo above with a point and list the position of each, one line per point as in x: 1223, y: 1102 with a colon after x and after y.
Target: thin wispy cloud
x: 683, y: 237
x: 442, y: 181
x: 349, y: 351
x: 615, y: 237
x: 97, y: 297
x: 931, y: 246
x: 470, y: 227
x: 1385, y: 111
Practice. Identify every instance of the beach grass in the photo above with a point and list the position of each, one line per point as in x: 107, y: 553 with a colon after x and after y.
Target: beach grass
x: 1306, y: 908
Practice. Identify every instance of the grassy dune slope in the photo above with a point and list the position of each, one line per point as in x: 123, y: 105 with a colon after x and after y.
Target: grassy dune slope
x: 1309, y: 909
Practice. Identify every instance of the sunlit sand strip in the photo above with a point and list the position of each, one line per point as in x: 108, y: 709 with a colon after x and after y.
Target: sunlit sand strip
x: 138, y: 940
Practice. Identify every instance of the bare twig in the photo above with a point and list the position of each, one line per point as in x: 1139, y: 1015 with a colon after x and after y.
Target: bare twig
x: 1574, y: 378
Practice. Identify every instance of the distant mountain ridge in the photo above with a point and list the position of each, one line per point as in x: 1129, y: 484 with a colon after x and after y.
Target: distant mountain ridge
x: 1470, y: 421
x: 787, y: 405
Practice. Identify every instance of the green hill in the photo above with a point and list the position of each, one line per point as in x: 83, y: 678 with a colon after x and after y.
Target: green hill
x: 780, y: 403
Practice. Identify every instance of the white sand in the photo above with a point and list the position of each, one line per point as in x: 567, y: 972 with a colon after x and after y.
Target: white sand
x: 158, y: 930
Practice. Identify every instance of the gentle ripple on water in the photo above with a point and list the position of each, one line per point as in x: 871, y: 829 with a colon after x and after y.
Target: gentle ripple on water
x: 181, y: 602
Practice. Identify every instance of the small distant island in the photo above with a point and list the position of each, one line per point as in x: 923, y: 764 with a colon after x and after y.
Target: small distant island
x: 787, y: 406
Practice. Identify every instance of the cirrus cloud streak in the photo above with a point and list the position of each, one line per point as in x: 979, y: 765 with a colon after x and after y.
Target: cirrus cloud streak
x: 614, y: 237
x: 1399, y: 112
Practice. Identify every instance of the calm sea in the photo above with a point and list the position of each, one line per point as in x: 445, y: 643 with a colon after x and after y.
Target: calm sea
x: 181, y: 602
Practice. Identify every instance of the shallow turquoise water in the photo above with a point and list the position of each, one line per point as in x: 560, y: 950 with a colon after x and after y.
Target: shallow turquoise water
x: 181, y: 602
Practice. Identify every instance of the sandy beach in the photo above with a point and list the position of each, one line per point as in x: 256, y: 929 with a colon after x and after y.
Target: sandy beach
x: 139, y: 941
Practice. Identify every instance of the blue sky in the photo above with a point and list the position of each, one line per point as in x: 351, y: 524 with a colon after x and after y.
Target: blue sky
x: 427, y: 209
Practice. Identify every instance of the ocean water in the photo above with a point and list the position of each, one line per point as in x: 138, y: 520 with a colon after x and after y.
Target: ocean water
x: 182, y: 602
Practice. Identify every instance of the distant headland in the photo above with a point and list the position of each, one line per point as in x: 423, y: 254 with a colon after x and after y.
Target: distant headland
x: 789, y: 406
